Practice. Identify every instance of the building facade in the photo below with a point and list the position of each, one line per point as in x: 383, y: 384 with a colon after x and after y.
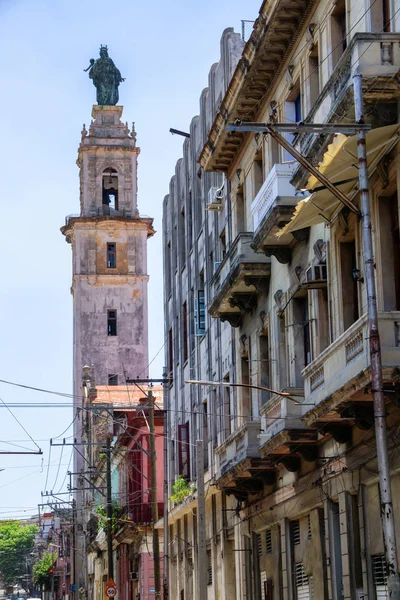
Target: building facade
x: 292, y: 496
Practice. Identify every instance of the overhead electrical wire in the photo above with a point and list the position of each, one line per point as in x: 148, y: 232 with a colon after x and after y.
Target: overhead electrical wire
x: 19, y: 423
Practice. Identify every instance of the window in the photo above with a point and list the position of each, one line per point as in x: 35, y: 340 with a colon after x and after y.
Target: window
x: 222, y: 244
x: 209, y: 568
x: 214, y: 515
x: 240, y: 211
x: 338, y: 28
x: 258, y: 173
x: 309, y: 530
x: 113, y: 380
x: 335, y: 549
x: 199, y: 313
x: 282, y: 350
x: 259, y: 544
x: 183, y: 450
x: 110, y: 190
x: 205, y: 434
x: 111, y: 322
x: 302, y: 338
x: 265, y: 367
x: 313, y: 69
x: 349, y: 283
x: 390, y: 251
x: 185, y: 332
x: 293, y: 114
x: 295, y: 531
x: 379, y: 572
x: 379, y: 13
x: 268, y: 541
x: 245, y: 409
x: 111, y: 256
x: 227, y: 412
x: 182, y: 237
x: 297, y: 108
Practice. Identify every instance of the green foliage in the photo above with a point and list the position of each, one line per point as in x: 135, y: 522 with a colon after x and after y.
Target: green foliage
x: 181, y: 490
x: 101, y: 512
x: 41, y: 570
x: 16, y: 539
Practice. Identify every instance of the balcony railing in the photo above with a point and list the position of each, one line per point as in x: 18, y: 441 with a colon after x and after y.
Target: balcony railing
x: 276, y: 186
x: 241, y: 444
x: 272, y: 208
x: 281, y: 413
x: 347, y: 358
x: 241, y: 275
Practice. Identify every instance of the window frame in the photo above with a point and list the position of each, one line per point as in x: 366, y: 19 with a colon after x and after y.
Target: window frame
x: 112, y: 330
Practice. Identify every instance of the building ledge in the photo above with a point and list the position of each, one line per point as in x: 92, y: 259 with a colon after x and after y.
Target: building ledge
x: 265, y: 54
x: 120, y: 221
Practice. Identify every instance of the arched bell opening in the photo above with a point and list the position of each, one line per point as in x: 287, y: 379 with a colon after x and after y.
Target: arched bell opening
x: 110, y: 190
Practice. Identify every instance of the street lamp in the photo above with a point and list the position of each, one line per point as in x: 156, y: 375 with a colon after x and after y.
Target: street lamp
x: 246, y: 385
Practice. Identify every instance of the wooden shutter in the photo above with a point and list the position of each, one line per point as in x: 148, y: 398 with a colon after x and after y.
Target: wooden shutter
x: 183, y: 450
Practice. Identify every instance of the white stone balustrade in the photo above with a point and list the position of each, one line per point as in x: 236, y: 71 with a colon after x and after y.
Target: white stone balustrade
x: 276, y: 186
x: 348, y: 356
x: 241, y: 444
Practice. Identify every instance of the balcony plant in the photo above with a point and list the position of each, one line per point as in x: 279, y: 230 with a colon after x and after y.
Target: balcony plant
x: 181, y: 489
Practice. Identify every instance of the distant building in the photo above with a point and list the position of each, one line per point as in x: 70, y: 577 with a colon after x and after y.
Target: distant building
x: 109, y: 287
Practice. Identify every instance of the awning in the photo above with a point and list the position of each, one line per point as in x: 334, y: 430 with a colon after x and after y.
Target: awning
x: 340, y: 164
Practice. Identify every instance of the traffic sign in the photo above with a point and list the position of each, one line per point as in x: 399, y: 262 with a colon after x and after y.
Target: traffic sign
x: 111, y: 589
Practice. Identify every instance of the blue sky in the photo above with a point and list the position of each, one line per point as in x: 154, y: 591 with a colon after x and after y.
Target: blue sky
x: 165, y: 51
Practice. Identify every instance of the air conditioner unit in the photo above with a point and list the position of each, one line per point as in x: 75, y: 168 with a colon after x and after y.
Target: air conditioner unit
x: 134, y: 575
x: 316, y: 276
x: 214, y: 200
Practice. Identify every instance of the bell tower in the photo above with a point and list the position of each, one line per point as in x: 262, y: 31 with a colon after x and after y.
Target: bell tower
x: 109, y: 256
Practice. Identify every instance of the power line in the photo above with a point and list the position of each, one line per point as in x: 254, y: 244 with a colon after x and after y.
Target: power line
x: 20, y: 424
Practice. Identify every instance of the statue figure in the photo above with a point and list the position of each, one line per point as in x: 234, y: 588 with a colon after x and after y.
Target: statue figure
x: 106, y: 78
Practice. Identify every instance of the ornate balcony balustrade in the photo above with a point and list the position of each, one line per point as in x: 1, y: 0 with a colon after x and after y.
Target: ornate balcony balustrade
x: 343, y: 368
x: 240, y: 470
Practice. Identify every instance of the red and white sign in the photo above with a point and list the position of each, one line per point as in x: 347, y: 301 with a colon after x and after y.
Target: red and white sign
x: 111, y: 589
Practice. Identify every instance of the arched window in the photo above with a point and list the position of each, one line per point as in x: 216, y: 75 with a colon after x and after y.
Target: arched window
x: 110, y: 190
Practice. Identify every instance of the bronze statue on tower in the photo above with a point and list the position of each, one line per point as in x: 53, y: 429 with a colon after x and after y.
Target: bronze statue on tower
x: 106, y: 78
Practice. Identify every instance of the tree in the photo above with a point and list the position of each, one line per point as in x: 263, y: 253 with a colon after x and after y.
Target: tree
x: 16, y: 540
x: 43, y: 570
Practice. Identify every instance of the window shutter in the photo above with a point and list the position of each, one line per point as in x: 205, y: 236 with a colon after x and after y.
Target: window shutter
x: 199, y: 314
x: 183, y: 450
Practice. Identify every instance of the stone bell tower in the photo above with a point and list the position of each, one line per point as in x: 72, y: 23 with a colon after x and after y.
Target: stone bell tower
x: 109, y: 256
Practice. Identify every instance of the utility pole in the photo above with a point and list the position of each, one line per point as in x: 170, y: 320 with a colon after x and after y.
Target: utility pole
x: 52, y: 582
x: 388, y: 528
x: 154, y: 504
x: 109, y: 512
x: 201, y: 523
x: 74, y: 536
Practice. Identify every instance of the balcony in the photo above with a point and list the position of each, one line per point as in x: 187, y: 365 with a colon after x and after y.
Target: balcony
x: 241, y: 276
x: 377, y: 57
x: 341, y: 373
x: 272, y: 208
x: 240, y: 470
x: 284, y: 436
